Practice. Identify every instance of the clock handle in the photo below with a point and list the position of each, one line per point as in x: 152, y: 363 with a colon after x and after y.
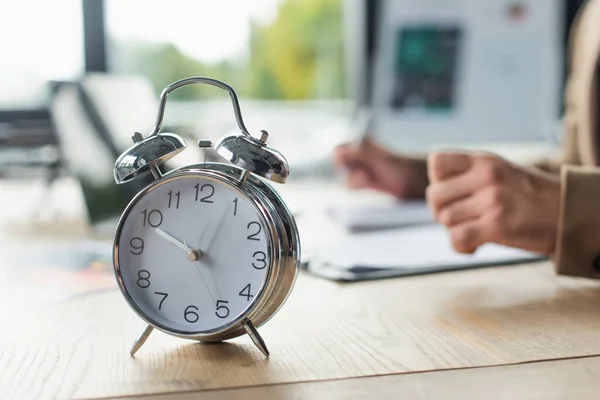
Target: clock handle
x: 199, y: 80
x: 256, y: 338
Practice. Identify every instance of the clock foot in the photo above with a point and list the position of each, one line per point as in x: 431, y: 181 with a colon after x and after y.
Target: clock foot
x: 141, y: 339
x: 256, y: 338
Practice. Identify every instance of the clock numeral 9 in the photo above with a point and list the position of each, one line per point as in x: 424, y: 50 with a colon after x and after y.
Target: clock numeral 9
x: 245, y: 292
x: 253, y: 236
x: 209, y: 188
x: 191, y: 316
x: 143, y: 278
x: 262, y: 259
x: 153, y: 218
x: 224, y: 310
x: 177, y: 195
x: 136, y: 244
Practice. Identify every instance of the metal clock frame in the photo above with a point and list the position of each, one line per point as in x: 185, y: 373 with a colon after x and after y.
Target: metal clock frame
x: 283, y: 248
x: 251, y: 160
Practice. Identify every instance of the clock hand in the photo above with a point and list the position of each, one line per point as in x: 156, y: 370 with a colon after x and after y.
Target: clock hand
x: 209, y: 283
x: 172, y: 240
x: 192, y: 254
x: 212, y: 229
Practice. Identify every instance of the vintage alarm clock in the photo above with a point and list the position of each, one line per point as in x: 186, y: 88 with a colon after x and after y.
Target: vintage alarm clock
x: 210, y: 251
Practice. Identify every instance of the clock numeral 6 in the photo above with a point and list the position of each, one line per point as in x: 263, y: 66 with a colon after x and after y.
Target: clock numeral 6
x: 261, y: 259
x: 190, y: 314
x: 245, y: 292
x: 222, y: 309
x: 143, y: 278
x: 136, y: 244
x: 253, y: 235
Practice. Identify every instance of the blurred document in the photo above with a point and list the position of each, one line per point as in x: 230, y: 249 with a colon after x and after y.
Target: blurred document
x: 403, y: 252
x: 382, y: 216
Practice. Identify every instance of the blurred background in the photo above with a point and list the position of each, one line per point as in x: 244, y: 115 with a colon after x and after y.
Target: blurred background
x: 78, y: 77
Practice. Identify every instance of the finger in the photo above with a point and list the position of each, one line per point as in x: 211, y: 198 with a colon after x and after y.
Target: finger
x: 468, y: 236
x: 341, y: 154
x: 358, y: 179
x: 469, y: 207
x: 442, y: 165
x: 461, y: 211
x: 442, y: 193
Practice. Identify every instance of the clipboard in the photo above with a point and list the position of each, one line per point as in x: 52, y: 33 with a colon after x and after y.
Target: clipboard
x: 403, y: 252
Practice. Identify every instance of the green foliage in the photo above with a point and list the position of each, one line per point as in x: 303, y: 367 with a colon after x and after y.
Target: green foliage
x: 299, y: 56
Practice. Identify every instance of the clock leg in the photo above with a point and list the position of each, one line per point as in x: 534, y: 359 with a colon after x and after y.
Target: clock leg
x: 256, y: 338
x: 141, y: 339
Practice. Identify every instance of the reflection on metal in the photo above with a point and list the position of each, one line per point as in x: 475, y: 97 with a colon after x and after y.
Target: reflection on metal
x: 147, y: 155
x: 255, y: 156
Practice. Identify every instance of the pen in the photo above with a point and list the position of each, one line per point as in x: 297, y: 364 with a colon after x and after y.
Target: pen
x: 361, y: 125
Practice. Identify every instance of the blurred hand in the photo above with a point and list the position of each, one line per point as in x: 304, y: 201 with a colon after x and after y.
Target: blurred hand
x: 483, y: 198
x: 371, y: 166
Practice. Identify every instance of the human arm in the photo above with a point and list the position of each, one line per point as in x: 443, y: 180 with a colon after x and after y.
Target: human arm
x: 372, y: 166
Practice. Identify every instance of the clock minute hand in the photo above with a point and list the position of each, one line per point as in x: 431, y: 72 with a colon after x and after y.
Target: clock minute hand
x: 211, y: 230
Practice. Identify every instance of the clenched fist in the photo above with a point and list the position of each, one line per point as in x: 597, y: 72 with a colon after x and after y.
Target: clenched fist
x: 483, y: 198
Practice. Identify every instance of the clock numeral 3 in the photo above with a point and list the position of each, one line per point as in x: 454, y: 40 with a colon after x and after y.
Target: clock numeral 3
x: 143, y: 279
x: 164, y: 295
x: 209, y: 188
x: 136, y: 244
x: 153, y: 218
x: 222, y: 309
x: 177, y: 195
x: 253, y: 236
x: 245, y: 292
x: 190, y: 315
x: 262, y: 259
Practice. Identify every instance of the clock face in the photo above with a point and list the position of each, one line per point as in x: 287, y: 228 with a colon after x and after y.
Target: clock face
x: 193, y: 254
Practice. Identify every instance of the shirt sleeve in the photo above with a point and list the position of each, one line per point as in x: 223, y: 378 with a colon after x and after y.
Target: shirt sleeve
x: 578, y: 242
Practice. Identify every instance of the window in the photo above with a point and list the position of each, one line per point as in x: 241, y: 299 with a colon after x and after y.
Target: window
x: 266, y: 49
x: 40, y: 41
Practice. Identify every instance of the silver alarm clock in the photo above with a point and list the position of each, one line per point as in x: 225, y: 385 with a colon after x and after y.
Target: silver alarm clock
x: 210, y: 251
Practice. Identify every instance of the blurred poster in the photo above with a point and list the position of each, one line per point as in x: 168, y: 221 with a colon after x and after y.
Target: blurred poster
x: 461, y: 71
x: 425, y: 67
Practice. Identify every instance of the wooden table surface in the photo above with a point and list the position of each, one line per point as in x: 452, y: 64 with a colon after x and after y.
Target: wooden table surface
x: 494, y: 333
x: 347, y: 340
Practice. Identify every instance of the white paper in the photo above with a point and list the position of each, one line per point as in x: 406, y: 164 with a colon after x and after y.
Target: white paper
x: 410, y: 250
x: 382, y: 216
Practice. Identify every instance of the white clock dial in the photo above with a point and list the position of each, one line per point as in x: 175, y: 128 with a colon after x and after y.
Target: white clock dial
x: 193, y: 254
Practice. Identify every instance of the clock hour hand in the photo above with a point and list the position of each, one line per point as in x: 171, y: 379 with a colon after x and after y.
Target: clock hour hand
x: 192, y: 254
x: 172, y: 240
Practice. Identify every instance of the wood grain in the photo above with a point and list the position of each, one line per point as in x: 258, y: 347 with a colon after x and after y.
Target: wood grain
x: 547, y: 380
x: 79, y: 348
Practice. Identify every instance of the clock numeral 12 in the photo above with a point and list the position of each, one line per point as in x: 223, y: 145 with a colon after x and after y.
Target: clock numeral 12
x: 177, y: 195
x: 209, y: 188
